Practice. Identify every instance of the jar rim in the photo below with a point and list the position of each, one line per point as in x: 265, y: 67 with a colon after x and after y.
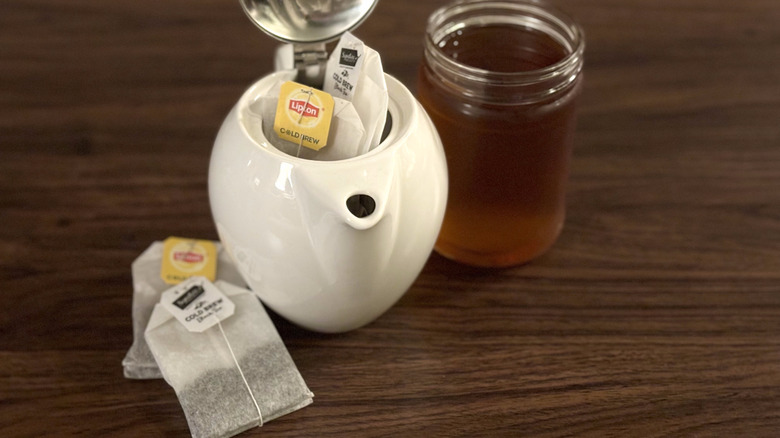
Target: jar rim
x: 537, y: 14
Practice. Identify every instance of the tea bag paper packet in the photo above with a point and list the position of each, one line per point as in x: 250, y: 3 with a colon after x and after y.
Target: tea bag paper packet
x: 354, y: 72
x: 343, y: 139
x: 148, y: 285
x: 260, y: 113
x: 230, y: 372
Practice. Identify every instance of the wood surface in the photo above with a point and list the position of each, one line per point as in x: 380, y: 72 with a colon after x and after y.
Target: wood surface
x: 657, y: 312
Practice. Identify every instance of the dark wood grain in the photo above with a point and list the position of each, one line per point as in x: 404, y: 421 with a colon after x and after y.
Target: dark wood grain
x: 657, y: 313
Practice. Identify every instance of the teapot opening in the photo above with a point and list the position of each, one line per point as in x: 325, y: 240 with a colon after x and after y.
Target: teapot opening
x: 388, y: 127
x: 399, y: 119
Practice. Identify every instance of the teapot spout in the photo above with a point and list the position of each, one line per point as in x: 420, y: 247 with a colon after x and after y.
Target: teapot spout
x: 359, y: 198
x: 350, y: 216
x: 362, y: 209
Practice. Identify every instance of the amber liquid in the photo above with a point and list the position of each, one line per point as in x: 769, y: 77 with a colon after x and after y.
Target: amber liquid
x: 508, y: 165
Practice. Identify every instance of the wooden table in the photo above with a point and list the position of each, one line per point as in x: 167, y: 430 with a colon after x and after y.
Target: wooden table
x: 656, y: 313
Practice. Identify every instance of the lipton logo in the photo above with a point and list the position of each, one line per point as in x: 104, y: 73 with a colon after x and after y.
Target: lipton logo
x: 188, y: 257
x: 349, y: 57
x: 304, y: 108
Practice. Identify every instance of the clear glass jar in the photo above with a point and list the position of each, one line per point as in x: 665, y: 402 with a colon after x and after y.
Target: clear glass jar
x: 500, y: 80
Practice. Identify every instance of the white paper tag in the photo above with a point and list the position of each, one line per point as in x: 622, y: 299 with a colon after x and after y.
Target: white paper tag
x: 197, y: 303
x: 343, y: 68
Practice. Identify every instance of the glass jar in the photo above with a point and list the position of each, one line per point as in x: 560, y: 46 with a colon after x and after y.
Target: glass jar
x: 500, y: 80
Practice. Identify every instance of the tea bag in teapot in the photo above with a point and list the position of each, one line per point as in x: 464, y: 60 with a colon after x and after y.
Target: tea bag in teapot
x: 230, y: 371
x: 343, y: 140
x: 148, y: 284
x: 354, y: 72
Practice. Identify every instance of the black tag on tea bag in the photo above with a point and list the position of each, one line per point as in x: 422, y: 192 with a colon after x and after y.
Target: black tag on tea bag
x: 189, y: 296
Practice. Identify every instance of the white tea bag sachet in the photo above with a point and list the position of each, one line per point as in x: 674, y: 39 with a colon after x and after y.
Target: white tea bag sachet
x: 231, y: 372
x: 354, y: 72
x: 147, y: 287
x: 344, y: 137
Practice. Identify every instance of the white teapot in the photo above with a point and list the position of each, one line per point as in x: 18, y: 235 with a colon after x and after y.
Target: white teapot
x: 329, y: 245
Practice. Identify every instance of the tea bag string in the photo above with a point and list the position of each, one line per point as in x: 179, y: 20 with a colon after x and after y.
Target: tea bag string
x: 233, y: 355
x: 308, y: 98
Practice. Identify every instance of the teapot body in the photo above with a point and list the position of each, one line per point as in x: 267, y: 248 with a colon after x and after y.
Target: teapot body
x: 288, y: 226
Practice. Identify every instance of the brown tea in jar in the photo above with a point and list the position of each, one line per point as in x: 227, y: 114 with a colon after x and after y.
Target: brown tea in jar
x: 500, y: 81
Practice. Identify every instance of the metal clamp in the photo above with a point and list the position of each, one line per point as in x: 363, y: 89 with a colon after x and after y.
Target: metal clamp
x: 310, y: 60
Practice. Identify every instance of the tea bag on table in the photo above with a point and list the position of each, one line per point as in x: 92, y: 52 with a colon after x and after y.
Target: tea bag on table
x: 147, y: 287
x: 235, y: 374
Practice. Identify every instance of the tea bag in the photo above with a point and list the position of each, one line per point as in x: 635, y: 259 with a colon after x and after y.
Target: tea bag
x: 344, y: 138
x: 232, y: 376
x: 354, y: 72
x: 147, y: 287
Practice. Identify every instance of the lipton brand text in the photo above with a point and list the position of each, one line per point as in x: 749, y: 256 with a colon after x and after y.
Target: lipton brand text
x: 304, y: 108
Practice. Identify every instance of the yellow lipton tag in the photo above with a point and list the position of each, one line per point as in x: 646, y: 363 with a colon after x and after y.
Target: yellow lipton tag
x: 184, y: 258
x: 303, y: 115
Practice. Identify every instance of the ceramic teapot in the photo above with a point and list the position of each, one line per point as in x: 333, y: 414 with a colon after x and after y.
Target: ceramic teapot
x: 329, y: 245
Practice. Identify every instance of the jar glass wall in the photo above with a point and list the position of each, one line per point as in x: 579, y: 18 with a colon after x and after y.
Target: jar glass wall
x: 500, y: 81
